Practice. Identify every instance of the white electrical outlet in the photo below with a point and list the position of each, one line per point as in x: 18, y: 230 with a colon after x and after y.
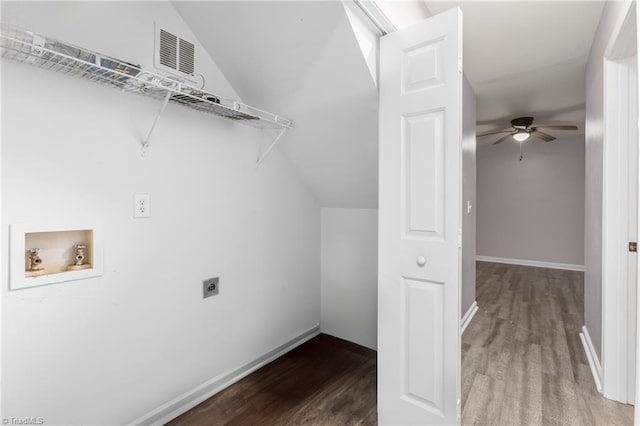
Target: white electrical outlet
x: 141, y: 205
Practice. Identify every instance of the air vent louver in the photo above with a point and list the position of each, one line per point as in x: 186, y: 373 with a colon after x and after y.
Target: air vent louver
x: 186, y: 57
x: 175, y: 53
x: 168, y: 49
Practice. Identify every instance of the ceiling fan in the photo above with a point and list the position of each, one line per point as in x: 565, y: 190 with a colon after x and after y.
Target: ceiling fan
x: 523, y: 130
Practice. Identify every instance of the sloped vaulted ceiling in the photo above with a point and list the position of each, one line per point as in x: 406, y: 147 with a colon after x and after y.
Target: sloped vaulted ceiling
x: 301, y: 60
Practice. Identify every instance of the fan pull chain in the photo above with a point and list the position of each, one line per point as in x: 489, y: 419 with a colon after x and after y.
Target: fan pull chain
x: 521, y: 157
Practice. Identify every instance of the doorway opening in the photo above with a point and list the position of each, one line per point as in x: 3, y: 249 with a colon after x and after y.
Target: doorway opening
x: 530, y: 317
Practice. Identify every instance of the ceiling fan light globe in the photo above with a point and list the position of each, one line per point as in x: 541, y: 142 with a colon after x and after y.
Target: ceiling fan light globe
x: 521, y: 136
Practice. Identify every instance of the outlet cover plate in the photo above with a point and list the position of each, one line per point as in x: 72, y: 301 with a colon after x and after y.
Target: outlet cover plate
x: 210, y: 287
x: 141, y: 206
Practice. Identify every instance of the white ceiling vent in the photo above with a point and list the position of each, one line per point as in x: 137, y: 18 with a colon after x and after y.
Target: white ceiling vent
x: 173, y: 53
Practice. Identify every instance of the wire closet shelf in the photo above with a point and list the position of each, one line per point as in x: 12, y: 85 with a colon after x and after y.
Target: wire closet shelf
x: 27, y: 47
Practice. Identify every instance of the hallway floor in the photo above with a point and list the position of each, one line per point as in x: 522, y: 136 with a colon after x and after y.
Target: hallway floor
x: 522, y: 358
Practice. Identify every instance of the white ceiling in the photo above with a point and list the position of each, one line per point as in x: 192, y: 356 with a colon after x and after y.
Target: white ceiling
x: 527, y: 58
x: 302, y: 60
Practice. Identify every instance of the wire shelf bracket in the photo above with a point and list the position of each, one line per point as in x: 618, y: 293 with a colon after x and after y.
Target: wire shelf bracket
x: 165, y: 102
x: 266, y: 152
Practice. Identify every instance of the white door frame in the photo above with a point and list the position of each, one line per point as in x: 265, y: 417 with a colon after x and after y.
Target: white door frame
x: 616, y: 327
x: 637, y: 402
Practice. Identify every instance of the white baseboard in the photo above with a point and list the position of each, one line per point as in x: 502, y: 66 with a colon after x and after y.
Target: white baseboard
x: 536, y: 263
x: 183, y: 403
x: 592, y: 357
x: 468, y: 316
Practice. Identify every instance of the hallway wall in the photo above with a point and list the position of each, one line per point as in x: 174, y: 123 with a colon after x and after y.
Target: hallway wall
x: 612, y: 17
x: 532, y: 209
x: 469, y: 216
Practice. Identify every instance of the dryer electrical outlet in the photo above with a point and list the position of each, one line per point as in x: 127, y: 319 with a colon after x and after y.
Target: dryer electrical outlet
x: 210, y: 287
x: 141, y: 206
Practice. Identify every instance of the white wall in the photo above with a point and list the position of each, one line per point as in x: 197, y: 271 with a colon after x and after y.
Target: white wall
x: 349, y: 271
x: 612, y: 17
x: 294, y: 47
x: 532, y: 209
x: 107, y: 350
x: 349, y: 262
x: 468, y: 196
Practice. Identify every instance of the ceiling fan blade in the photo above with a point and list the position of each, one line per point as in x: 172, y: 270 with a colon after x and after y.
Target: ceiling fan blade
x: 545, y: 137
x: 556, y: 127
x: 502, y: 139
x: 495, y: 133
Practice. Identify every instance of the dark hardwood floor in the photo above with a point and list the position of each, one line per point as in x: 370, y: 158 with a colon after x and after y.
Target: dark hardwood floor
x: 326, y: 381
x: 522, y: 358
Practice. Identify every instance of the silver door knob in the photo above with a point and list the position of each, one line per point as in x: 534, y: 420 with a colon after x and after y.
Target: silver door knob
x: 421, y: 260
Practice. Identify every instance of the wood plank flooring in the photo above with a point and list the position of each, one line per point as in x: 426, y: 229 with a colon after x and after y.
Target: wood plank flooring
x: 522, y: 364
x: 326, y: 381
x: 522, y: 358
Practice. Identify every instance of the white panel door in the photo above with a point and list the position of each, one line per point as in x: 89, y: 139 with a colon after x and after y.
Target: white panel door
x: 420, y: 202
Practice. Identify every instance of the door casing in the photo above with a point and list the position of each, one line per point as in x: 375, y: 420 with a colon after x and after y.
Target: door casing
x: 620, y: 200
